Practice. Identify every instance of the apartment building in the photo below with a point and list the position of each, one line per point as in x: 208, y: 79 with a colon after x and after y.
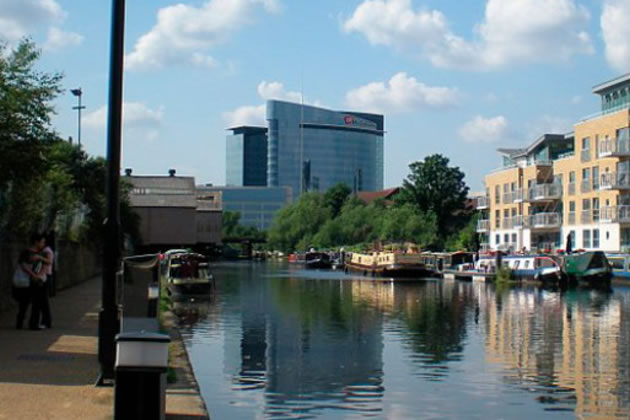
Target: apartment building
x: 565, y: 188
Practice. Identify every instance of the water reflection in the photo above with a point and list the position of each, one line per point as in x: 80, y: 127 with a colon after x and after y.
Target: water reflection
x: 297, y: 344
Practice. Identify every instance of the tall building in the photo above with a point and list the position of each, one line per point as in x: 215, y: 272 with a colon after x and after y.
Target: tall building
x: 561, y: 189
x: 256, y: 205
x: 246, y: 156
x: 311, y: 148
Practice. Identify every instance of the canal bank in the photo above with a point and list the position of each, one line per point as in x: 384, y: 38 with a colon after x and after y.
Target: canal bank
x: 50, y: 374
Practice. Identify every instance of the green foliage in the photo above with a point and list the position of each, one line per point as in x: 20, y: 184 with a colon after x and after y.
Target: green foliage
x: 26, y: 97
x: 309, y: 223
x: 46, y: 183
x: 434, y: 186
x: 336, y: 196
x: 295, y: 226
x: 503, y: 275
x: 231, y: 227
x: 466, y: 238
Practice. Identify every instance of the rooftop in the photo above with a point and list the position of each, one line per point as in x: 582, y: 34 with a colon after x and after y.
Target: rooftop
x: 369, y: 196
x: 599, y: 89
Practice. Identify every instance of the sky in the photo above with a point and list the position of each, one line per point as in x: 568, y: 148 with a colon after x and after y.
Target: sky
x: 460, y: 78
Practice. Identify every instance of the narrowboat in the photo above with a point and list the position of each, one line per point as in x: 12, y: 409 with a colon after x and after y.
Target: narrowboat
x: 390, y: 264
x: 316, y: 259
x: 589, y: 268
x: 528, y: 268
x: 620, y: 264
x: 186, y: 272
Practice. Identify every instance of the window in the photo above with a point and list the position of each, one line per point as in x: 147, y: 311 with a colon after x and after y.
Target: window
x: 572, y: 239
x: 595, y: 238
x: 572, y: 206
x: 526, y: 265
x: 514, y: 238
x: 497, y: 239
x: 497, y: 194
x: 586, y: 238
x: 595, y: 177
x: 595, y: 209
x: 506, y: 238
x: 497, y: 219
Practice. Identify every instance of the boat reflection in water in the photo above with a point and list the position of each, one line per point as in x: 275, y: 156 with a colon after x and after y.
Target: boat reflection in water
x: 285, y: 343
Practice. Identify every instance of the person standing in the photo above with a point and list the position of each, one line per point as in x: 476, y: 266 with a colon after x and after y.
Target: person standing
x: 29, y: 262
x: 49, y: 258
x: 38, y: 279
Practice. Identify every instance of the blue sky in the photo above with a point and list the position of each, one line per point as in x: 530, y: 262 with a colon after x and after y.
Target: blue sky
x: 452, y: 77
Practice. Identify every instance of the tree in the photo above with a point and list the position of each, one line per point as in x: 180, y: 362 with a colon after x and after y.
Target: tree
x: 26, y: 97
x: 336, y: 196
x: 434, y: 186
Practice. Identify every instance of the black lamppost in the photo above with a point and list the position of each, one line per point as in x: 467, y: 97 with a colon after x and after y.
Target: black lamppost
x: 108, y: 316
x: 78, y: 92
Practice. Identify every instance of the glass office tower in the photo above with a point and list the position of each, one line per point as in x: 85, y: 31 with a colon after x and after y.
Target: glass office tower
x: 246, y: 156
x: 312, y: 148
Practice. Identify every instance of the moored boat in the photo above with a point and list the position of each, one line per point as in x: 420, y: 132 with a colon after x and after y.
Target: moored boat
x: 390, y: 264
x: 620, y: 264
x: 186, y: 272
x: 316, y: 259
x: 589, y: 268
x: 527, y: 268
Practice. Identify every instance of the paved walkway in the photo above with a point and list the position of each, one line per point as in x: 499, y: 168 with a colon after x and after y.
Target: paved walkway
x: 50, y: 374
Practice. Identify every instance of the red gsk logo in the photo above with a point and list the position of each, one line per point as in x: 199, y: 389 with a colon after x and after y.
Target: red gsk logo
x: 348, y: 119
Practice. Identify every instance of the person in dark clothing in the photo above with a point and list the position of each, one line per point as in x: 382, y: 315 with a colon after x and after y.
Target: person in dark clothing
x: 31, y: 263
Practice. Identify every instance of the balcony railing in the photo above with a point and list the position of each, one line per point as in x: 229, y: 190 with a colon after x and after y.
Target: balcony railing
x: 518, y: 221
x: 483, y: 225
x: 483, y: 203
x: 545, y: 192
x: 544, y: 221
x: 614, y: 147
x: 615, y: 181
x: 571, y: 188
x: 512, y: 197
x: 615, y: 214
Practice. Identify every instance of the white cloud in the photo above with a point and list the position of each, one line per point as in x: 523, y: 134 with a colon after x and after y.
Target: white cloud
x: 184, y: 33
x: 484, y: 130
x: 512, y: 32
x: 548, y: 124
x: 245, y: 115
x: 21, y: 18
x: 401, y: 94
x: 135, y: 115
x: 255, y: 114
x: 616, y: 33
x: 58, y: 39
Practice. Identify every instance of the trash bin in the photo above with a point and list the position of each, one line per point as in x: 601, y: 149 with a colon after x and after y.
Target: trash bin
x: 141, y: 364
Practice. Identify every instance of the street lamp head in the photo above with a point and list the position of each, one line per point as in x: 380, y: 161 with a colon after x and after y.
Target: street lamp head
x: 76, y: 92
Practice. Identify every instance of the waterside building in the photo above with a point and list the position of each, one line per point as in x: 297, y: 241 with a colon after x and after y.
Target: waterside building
x: 565, y: 190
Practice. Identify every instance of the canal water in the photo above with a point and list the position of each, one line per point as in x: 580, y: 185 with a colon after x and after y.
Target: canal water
x: 280, y: 342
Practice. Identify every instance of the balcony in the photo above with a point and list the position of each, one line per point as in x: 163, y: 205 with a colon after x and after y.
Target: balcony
x: 614, y: 148
x: 544, y: 192
x: 544, y: 221
x: 615, y: 181
x: 518, y: 222
x: 483, y: 225
x: 483, y: 203
x: 614, y: 214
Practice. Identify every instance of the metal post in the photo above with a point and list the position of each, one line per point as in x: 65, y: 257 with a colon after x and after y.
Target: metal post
x: 108, y: 317
x: 78, y: 93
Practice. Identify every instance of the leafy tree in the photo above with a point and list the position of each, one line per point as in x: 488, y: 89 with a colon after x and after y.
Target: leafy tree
x: 466, y: 238
x: 26, y: 97
x: 434, y: 186
x: 336, y: 196
x: 405, y: 223
x: 298, y: 223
